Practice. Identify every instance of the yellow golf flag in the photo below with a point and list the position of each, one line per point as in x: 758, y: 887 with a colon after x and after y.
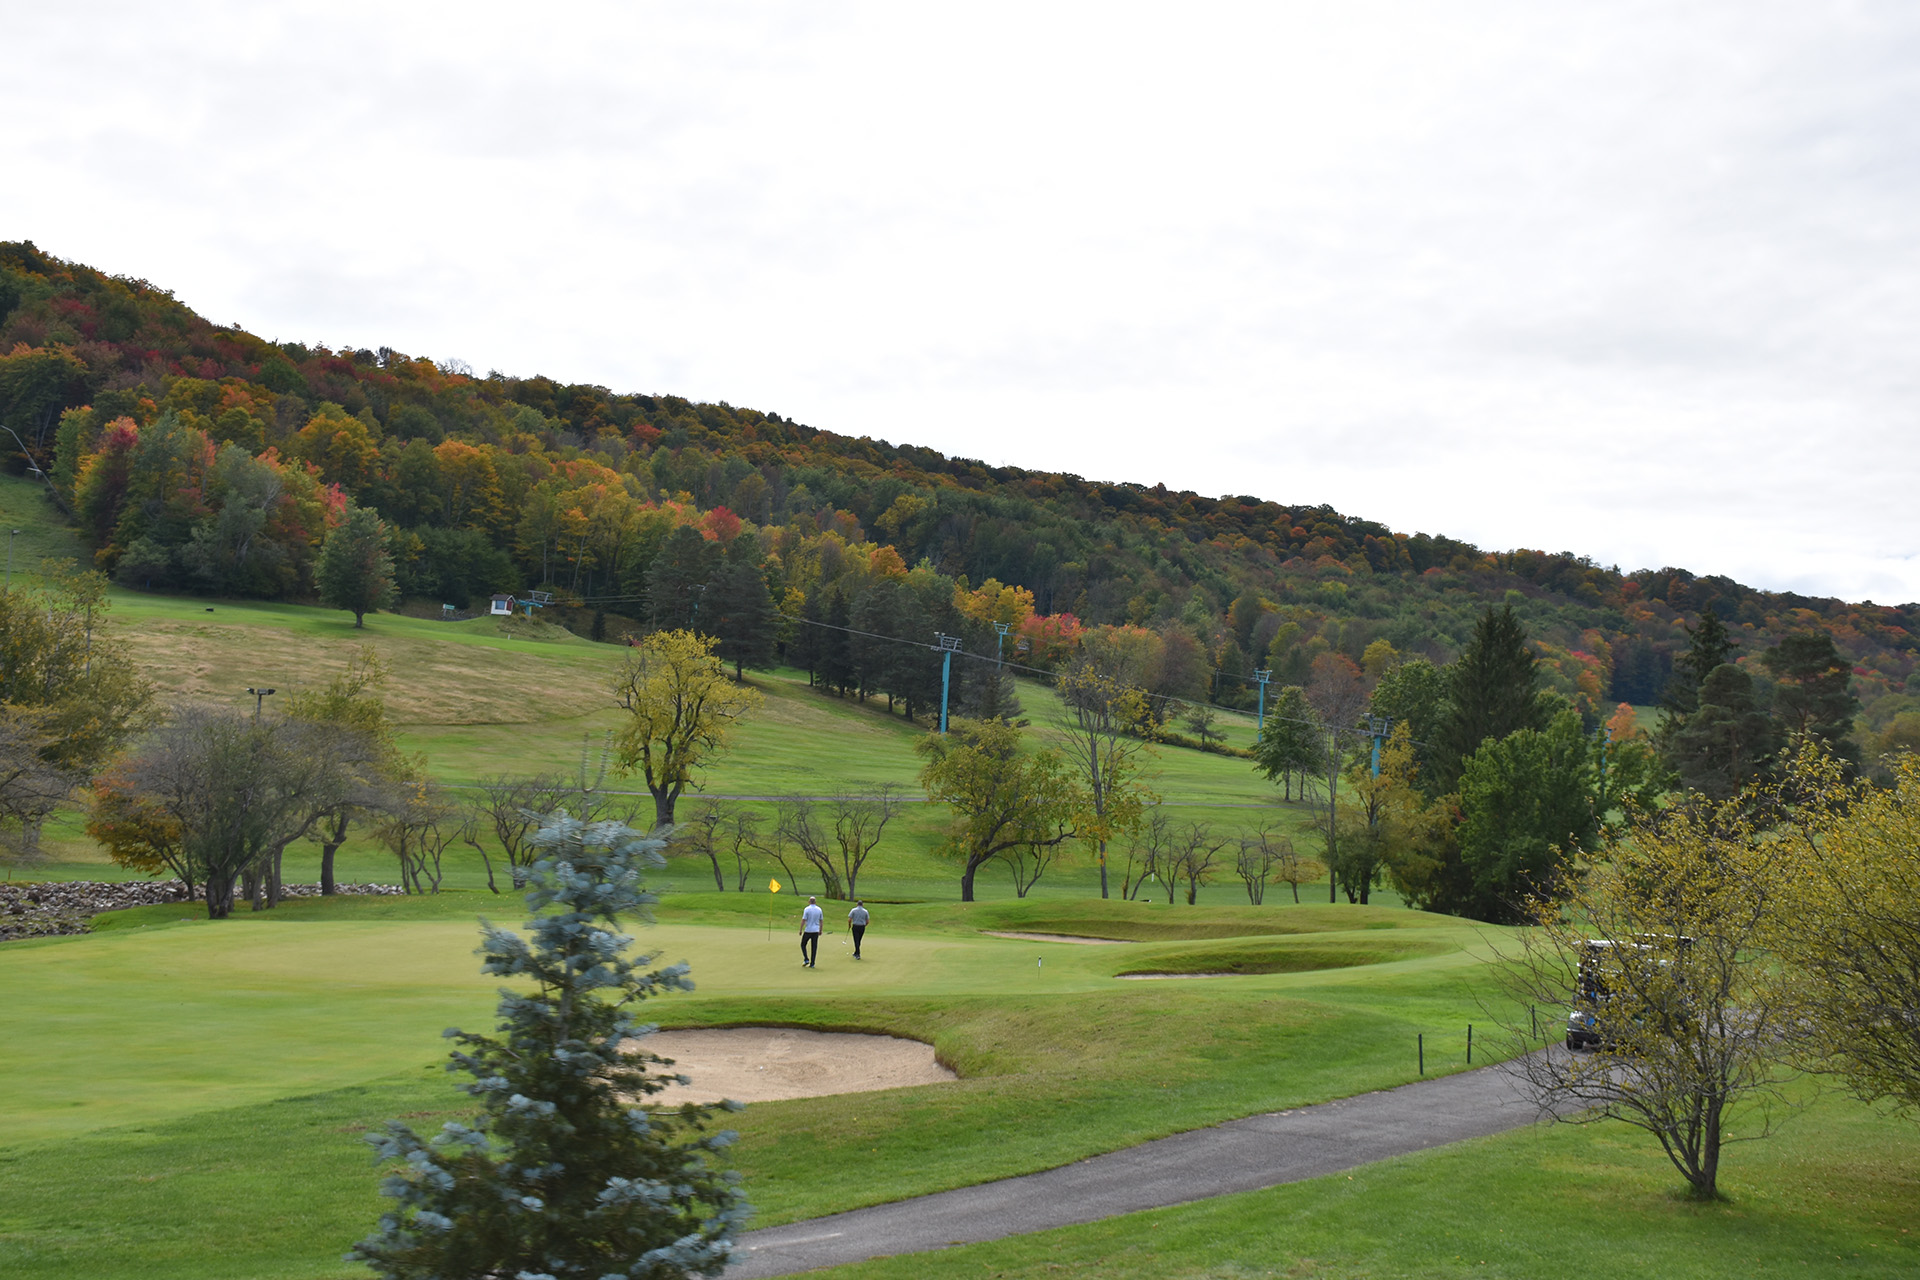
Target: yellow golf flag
x: 773, y: 885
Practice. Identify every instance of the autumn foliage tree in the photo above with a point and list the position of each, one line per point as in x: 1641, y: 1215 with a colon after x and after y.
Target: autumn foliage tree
x: 1002, y: 795
x: 70, y: 697
x: 1103, y: 724
x: 681, y: 712
x: 1850, y: 931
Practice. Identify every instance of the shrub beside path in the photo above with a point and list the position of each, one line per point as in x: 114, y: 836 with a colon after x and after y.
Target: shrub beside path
x: 1241, y: 1155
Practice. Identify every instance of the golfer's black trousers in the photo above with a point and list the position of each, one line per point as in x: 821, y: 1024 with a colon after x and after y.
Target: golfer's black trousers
x: 858, y: 931
x: 809, y: 947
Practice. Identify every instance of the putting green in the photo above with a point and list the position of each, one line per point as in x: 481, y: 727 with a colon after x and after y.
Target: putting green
x: 140, y: 1024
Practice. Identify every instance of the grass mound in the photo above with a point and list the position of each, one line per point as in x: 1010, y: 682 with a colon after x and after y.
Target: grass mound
x: 1263, y: 955
x: 1160, y: 922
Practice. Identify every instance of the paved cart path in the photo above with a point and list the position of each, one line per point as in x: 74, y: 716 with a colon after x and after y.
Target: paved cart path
x: 1241, y: 1155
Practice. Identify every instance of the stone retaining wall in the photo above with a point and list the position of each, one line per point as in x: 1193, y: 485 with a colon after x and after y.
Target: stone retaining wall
x: 55, y: 907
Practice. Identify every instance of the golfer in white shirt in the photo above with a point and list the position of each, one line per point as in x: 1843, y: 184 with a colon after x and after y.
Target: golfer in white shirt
x: 810, y: 932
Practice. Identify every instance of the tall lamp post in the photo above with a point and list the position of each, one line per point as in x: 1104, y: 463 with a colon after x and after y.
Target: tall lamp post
x: 259, y: 696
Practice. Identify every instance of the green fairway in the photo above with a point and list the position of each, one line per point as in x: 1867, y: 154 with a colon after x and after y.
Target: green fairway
x: 320, y: 994
x: 195, y: 1077
x: 186, y: 1098
x: 165, y: 1032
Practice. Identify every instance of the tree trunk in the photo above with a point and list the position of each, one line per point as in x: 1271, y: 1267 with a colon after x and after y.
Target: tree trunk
x: 663, y: 802
x: 1103, y: 868
x: 327, y: 849
x: 359, y: 618
x: 219, y: 897
x: 966, y: 878
x: 1333, y: 810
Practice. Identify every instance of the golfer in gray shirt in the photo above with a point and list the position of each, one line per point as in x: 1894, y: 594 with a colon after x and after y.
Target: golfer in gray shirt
x: 857, y: 921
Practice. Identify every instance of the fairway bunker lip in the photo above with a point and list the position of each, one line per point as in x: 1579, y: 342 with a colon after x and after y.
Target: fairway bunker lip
x: 1077, y: 938
x: 771, y: 1064
x: 1213, y: 973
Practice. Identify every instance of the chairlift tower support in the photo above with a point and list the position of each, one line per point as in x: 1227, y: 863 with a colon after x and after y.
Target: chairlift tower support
x: 1377, y: 726
x: 947, y: 644
x: 1260, y: 678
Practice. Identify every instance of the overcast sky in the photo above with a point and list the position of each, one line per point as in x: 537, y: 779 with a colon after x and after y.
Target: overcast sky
x: 1633, y: 280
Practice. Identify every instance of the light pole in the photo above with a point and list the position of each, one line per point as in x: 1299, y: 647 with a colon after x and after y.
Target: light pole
x: 259, y: 696
x: 946, y: 646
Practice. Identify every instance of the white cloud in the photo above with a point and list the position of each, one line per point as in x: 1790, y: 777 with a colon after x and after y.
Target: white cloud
x: 1637, y: 281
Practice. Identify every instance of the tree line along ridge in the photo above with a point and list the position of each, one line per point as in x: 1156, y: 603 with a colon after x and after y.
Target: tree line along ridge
x: 200, y: 457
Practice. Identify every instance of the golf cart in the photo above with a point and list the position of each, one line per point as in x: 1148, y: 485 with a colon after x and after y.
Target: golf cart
x: 1603, y: 965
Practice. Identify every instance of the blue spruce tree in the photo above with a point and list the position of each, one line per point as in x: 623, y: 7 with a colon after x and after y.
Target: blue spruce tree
x: 567, y: 1172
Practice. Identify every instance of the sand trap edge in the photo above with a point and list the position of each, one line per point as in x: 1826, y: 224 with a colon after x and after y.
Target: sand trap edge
x: 763, y: 1063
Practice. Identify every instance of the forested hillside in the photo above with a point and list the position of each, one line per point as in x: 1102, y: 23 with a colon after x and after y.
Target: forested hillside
x: 197, y: 457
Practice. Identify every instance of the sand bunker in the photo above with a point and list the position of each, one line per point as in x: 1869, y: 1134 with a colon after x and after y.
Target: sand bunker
x: 764, y: 1064
x: 1054, y: 937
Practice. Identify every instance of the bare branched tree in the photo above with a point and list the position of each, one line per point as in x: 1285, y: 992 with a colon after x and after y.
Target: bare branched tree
x: 837, y: 836
x: 700, y: 834
x: 776, y: 845
x: 419, y: 830
x: 741, y: 831
x: 1263, y: 853
x: 1152, y: 847
x: 1028, y: 862
x: 799, y: 826
x: 858, y: 823
x: 513, y: 809
x: 1196, y: 851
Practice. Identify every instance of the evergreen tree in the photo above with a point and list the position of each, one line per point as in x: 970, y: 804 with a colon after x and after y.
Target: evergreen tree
x: 1492, y: 691
x: 738, y: 609
x: 1708, y: 646
x: 804, y: 650
x: 836, y: 653
x: 356, y: 571
x: 1291, y: 742
x: 1729, y: 740
x: 1230, y: 683
x: 567, y: 1172
x: 1812, y: 697
x: 676, y: 580
x: 874, y: 615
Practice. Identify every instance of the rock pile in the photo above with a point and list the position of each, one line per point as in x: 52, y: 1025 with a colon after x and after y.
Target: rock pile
x: 55, y: 907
